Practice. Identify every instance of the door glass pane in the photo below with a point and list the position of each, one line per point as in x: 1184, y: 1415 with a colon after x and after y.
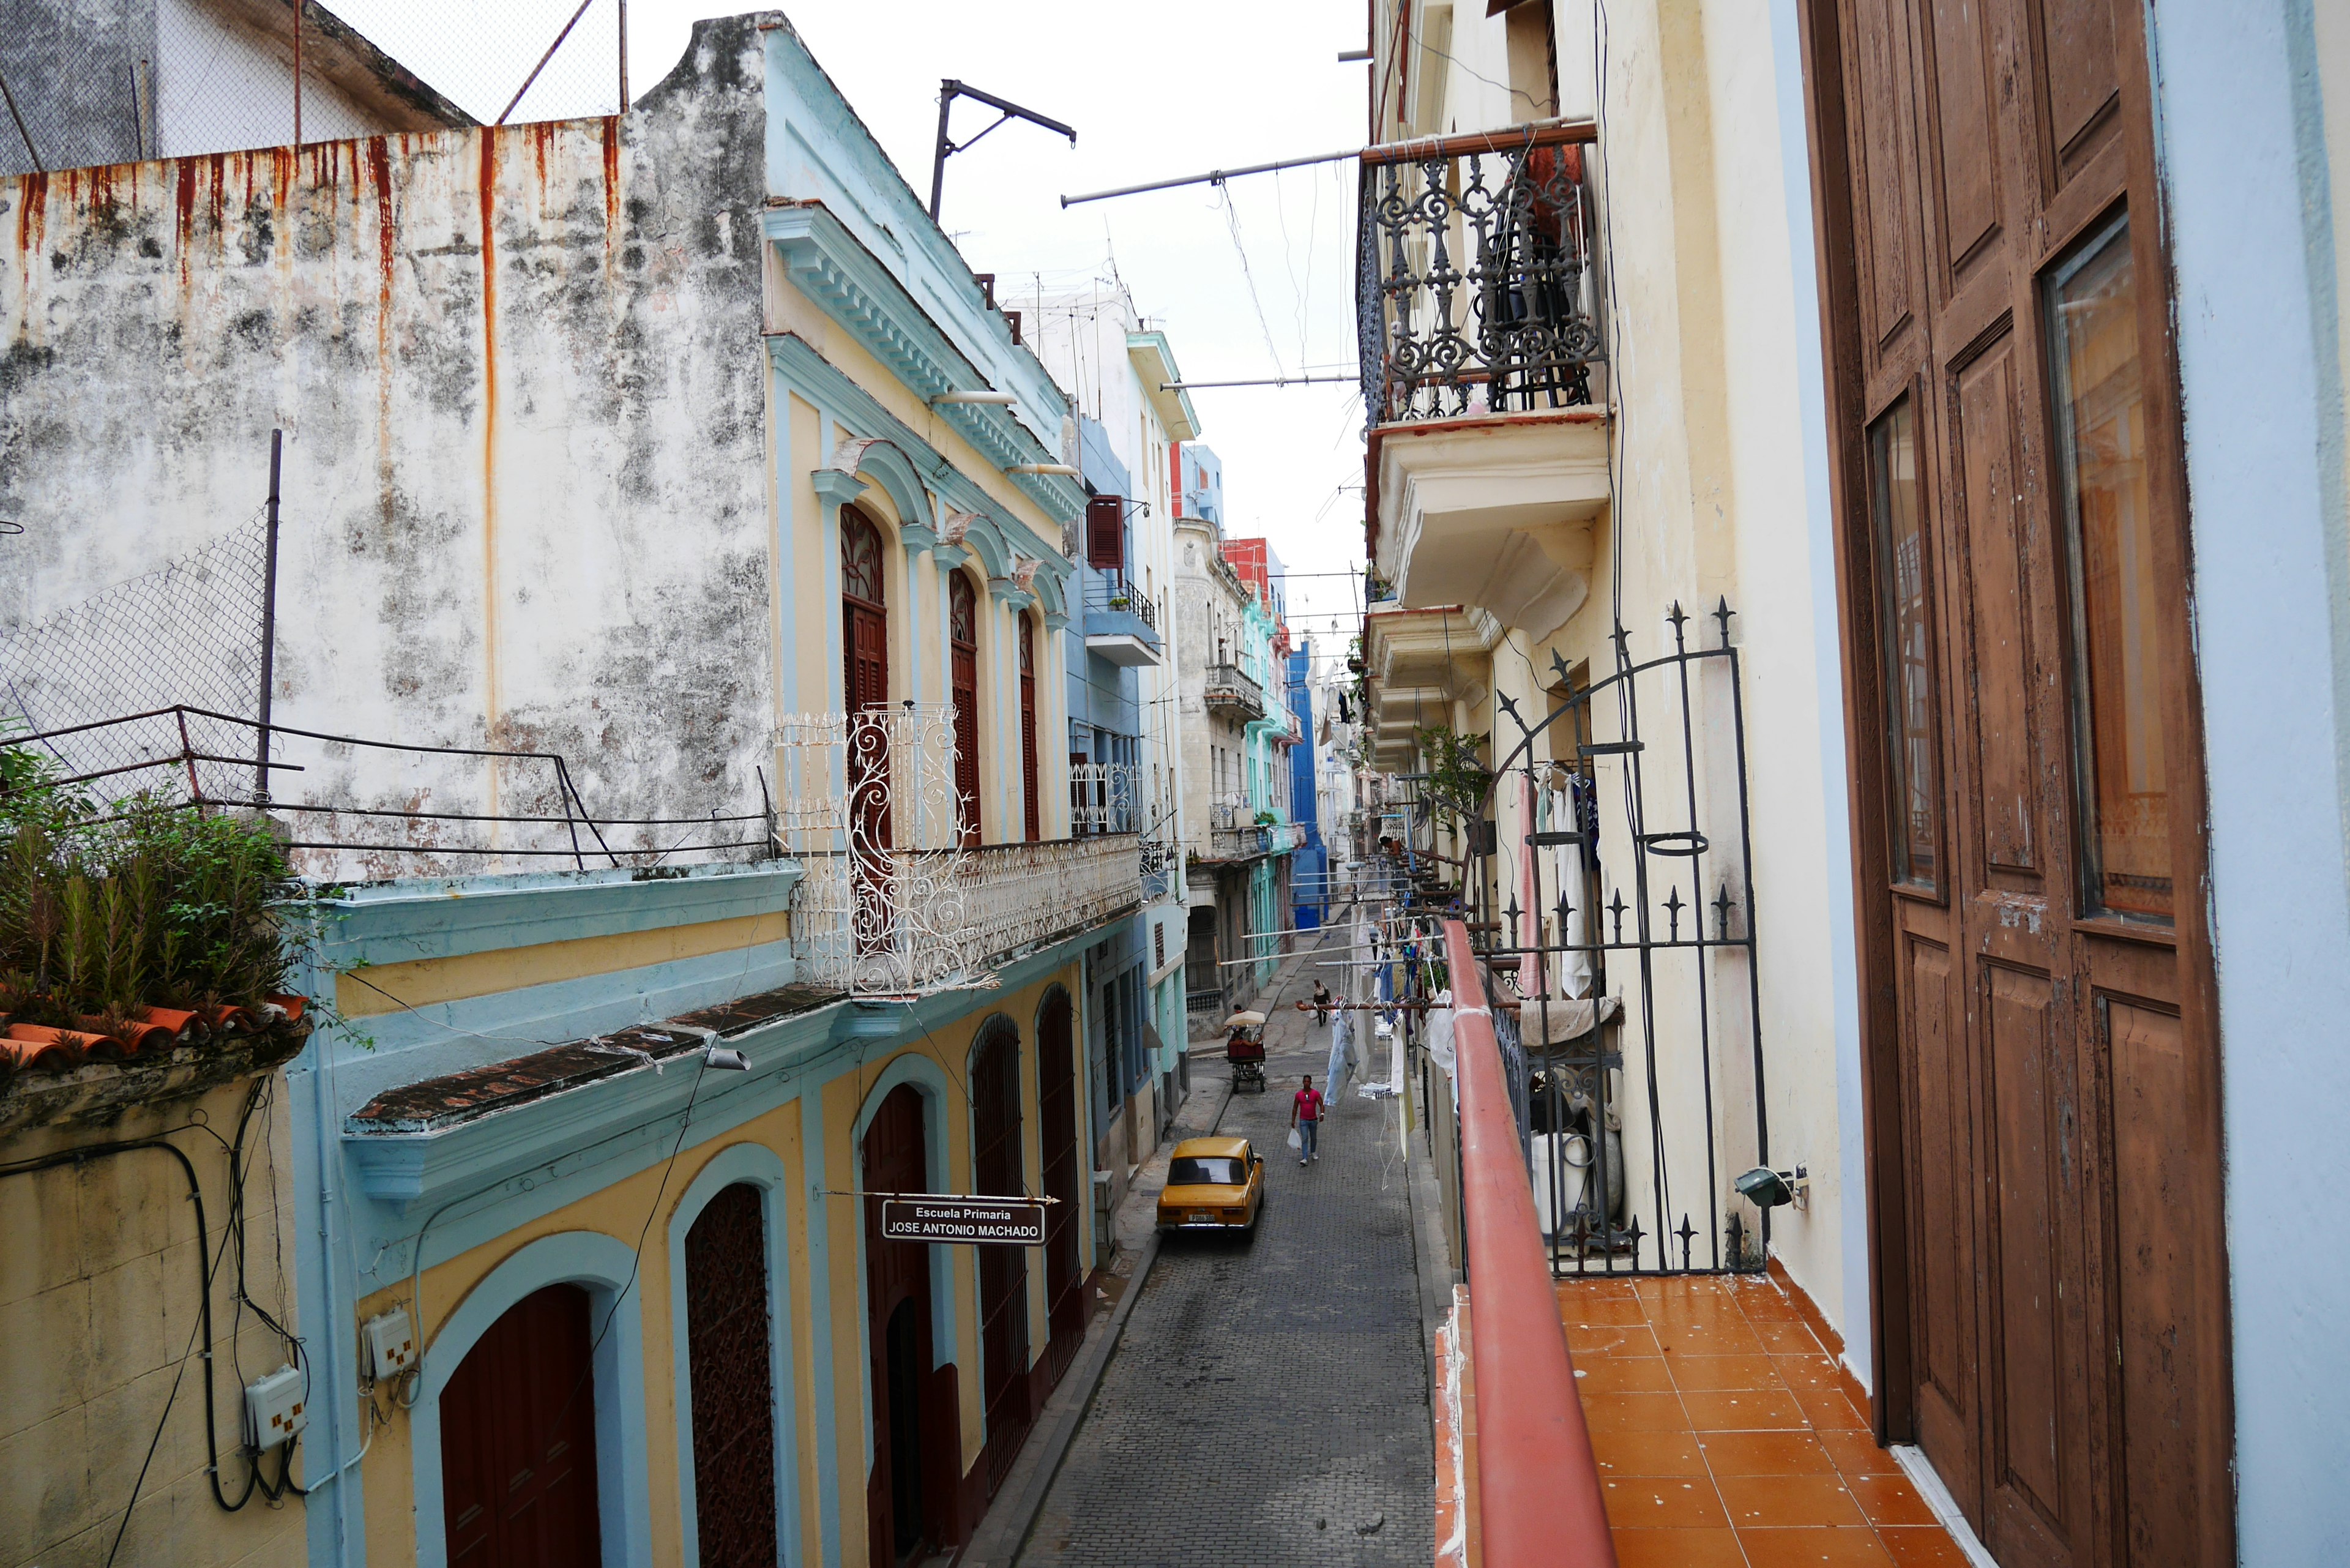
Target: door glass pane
x: 1913, y: 746
x: 2122, y: 759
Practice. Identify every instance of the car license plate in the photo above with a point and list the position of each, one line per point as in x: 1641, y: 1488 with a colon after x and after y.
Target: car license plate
x: 1201, y: 1216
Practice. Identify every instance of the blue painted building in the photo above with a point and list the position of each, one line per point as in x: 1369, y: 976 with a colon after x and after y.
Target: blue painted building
x: 1309, y: 865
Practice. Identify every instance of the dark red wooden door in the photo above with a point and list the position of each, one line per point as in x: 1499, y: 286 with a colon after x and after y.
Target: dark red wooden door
x: 2014, y: 525
x: 733, y: 1387
x: 1028, y: 729
x: 1056, y: 1115
x: 865, y: 689
x: 962, y: 636
x: 1002, y: 1270
x: 519, y: 1441
x: 900, y: 1502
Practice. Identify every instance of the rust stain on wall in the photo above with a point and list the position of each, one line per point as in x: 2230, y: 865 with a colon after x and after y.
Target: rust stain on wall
x: 611, y: 182
x: 32, y: 221
x: 374, y: 158
x: 489, y: 198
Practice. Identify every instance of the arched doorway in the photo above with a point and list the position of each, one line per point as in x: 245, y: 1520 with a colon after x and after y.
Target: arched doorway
x: 1028, y: 729
x: 999, y: 1171
x: 732, y: 1383
x: 962, y: 637
x: 865, y: 689
x: 910, y: 1496
x: 1057, y: 1108
x: 518, y: 1438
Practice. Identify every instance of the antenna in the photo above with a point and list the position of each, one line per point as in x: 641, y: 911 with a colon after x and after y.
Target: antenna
x: 949, y: 91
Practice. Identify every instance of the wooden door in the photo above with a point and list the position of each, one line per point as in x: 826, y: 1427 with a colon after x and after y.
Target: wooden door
x: 1057, y: 1118
x: 734, y: 1389
x: 962, y: 638
x: 998, y: 1165
x: 519, y: 1441
x: 2043, y: 1081
x: 899, y: 1505
x: 1028, y: 730
x: 865, y: 689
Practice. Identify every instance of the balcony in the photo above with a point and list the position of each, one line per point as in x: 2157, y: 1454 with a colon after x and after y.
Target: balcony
x: 1121, y: 623
x: 1230, y: 690
x: 897, y: 900
x: 1480, y: 350
x: 1687, y: 1382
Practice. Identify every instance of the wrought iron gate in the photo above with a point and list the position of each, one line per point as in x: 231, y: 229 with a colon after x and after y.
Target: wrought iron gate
x: 1637, y: 840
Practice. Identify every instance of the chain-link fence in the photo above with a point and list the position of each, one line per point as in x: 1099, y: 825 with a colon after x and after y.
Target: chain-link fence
x: 90, y: 82
x: 187, y: 632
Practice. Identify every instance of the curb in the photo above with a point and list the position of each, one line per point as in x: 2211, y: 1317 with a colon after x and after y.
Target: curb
x: 1084, y: 1382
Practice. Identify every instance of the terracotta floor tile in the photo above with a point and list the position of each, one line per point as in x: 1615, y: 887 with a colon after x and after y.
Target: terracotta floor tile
x: 1766, y: 1454
x: 1635, y: 1413
x: 1668, y: 1502
x: 1828, y: 1409
x: 1809, y: 1371
x: 1786, y: 1338
x: 1923, y: 1546
x: 1596, y: 1288
x: 1767, y: 1300
x: 1856, y: 1453
x: 1683, y: 1287
x: 1891, y: 1499
x: 1627, y: 1453
x: 1775, y: 1502
x: 1706, y: 1373
x: 1745, y: 1410
x: 1678, y: 1548
x: 1611, y: 1340
x: 1590, y: 1310
x: 1724, y: 1337
x: 1624, y: 1374
x: 1813, y: 1549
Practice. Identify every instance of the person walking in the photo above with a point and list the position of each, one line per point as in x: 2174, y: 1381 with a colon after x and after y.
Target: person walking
x: 1305, y: 1120
x: 1321, y: 1003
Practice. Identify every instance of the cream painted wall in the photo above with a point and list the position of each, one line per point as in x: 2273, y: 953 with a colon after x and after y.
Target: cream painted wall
x: 97, y: 1316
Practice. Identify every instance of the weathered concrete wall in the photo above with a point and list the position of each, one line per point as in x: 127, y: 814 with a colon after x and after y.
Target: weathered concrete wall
x: 522, y: 381
x: 100, y: 1312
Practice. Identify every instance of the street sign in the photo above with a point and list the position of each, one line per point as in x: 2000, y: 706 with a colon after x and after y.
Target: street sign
x: 983, y: 1222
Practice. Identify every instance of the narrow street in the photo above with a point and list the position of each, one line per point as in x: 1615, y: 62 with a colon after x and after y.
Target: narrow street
x: 1268, y: 1403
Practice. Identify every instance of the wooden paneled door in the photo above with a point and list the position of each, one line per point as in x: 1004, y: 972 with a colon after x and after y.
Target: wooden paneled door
x: 1031, y: 805
x: 904, y: 1497
x: 865, y: 689
x: 2043, y: 1070
x: 518, y: 1439
x: 962, y: 637
x: 998, y: 1164
x: 727, y: 1336
x: 1057, y: 1116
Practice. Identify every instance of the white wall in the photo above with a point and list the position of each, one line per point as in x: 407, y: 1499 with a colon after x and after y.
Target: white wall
x: 2245, y: 100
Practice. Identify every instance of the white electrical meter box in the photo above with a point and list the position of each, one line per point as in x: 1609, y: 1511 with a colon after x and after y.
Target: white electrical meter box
x: 272, y: 1409
x: 390, y: 1347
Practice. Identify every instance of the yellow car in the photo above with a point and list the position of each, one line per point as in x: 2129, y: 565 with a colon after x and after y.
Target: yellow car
x: 1212, y: 1184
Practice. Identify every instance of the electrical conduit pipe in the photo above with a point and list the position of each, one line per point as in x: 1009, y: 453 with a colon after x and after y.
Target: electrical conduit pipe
x: 1538, y: 1496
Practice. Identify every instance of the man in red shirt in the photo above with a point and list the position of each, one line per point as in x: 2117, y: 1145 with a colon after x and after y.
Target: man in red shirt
x: 1305, y: 1118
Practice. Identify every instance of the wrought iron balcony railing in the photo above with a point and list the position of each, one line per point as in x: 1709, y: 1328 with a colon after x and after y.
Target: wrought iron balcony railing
x: 1116, y: 596
x: 897, y: 900
x: 1229, y: 688
x: 1474, y: 289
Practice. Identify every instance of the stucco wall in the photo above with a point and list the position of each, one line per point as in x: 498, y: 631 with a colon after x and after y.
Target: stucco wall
x: 520, y: 374
x: 99, y: 1316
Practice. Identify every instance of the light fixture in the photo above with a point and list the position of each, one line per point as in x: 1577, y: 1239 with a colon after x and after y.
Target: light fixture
x: 995, y: 399
x: 1061, y: 469
x: 1766, y: 1187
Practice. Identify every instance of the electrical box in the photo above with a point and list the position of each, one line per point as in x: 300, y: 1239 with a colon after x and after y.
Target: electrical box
x: 272, y: 1409
x: 391, y: 1348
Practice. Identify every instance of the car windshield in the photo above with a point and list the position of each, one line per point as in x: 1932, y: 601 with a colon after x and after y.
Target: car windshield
x: 1210, y: 1170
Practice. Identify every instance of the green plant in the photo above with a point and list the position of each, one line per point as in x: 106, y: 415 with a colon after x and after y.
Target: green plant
x: 1266, y: 819
x: 154, y: 903
x: 1455, y: 781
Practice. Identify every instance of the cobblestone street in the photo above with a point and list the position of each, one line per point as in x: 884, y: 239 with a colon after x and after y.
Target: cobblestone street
x: 1268, y: 1402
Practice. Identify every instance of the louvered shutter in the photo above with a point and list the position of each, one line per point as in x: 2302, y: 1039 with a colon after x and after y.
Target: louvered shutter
x: 1105, y: 533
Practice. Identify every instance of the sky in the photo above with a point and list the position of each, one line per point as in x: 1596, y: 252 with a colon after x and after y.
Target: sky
x: 1251, y: 279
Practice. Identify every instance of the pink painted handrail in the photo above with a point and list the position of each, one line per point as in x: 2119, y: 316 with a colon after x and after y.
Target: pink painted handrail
x: 1538, y: 1495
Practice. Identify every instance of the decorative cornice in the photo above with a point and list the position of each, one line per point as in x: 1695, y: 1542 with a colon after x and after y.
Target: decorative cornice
x: 837, y: 487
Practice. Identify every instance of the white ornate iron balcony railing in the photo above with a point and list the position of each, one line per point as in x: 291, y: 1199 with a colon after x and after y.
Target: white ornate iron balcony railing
x: 1474, y: 291
x: 895, y: 901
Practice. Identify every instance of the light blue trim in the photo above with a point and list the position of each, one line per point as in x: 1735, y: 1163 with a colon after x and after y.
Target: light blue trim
x: 823, y: 1413
x: 894, y: 473
x: 607, y: 1266
x: 838, y: 396
x: 758, y: 1165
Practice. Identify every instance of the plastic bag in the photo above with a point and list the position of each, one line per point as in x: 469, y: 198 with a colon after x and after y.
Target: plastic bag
x: 1294, y: 1140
